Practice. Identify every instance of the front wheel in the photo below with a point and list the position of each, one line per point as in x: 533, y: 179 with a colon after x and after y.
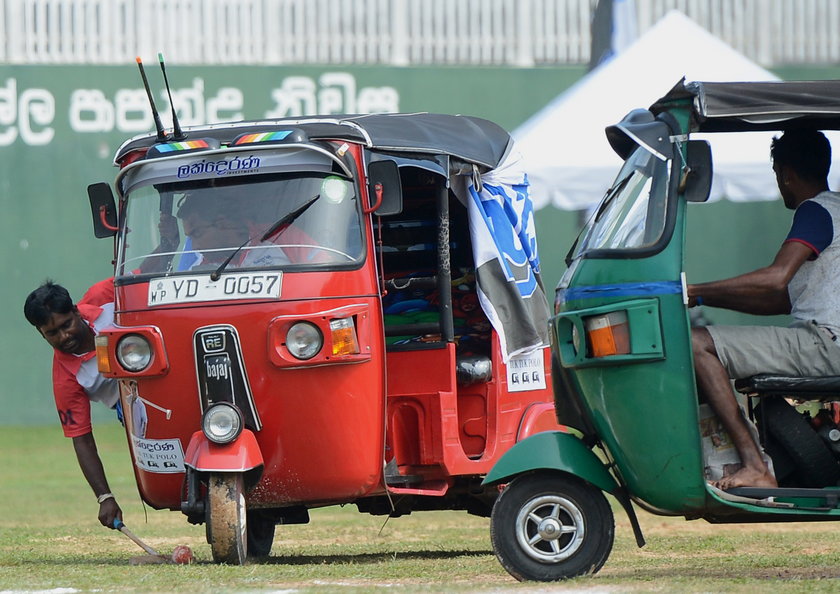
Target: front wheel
x: 226, y: 518
x: 548, y: 527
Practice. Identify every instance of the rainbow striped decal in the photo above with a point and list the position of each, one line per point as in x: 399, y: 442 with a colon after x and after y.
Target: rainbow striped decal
x: 182, y: 146
x: 262, y: 137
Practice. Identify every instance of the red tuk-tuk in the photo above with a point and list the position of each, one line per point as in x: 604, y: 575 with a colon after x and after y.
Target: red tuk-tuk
x: 322, y: 311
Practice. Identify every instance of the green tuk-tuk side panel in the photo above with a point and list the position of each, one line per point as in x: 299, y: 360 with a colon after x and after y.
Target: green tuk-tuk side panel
x: 646, y: 416
x: 644, y: 410
x: 642, y: 324
x: 552, y: 450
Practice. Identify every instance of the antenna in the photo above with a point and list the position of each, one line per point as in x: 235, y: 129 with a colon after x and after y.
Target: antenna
x: 176, y: 127
x: 161, y: 133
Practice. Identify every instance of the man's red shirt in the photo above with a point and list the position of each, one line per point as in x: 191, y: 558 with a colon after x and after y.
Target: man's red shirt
x: 71, y: 399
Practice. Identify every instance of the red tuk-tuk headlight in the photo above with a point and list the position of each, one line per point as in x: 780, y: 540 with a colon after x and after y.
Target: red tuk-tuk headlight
x: 134, y: 352
x: 222, y: 423
x: 304, y: 340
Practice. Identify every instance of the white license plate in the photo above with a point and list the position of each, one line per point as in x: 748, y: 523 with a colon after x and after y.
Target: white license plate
x: 237, y: 285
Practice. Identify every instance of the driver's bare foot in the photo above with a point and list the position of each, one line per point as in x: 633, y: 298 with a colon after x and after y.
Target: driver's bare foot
x: 746, y: 477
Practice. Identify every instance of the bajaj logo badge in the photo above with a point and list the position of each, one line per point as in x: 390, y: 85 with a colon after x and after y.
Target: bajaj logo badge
x: 213, y: 342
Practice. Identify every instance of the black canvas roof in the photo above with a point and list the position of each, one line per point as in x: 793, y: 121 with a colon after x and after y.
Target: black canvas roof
x: 471, y: 139
x: 734, y: 106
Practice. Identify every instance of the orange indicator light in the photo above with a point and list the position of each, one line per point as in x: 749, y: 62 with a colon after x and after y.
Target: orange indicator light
x: 344, y: 341
x: 102, y: 360
x: 608, y: 334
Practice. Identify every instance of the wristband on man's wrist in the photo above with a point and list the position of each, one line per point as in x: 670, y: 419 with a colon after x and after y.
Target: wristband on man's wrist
x: 104, y: 497
x: 698, y: 300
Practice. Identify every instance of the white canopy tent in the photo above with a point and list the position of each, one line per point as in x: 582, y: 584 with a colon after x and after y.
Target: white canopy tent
x: 570, y: 163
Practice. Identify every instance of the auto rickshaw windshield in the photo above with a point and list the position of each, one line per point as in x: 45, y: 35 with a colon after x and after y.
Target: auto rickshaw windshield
x: 300, y: 220
x: 633, y: 211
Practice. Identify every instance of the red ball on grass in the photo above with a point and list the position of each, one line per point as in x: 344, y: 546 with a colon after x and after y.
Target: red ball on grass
x: 182, y: 555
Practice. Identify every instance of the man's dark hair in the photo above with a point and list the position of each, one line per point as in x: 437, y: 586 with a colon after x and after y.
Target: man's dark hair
x: 46, y: 300
x: 807, y: 152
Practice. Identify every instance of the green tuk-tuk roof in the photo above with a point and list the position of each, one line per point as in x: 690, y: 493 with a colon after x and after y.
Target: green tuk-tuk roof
x: 472, y: 139
x: 745, y: 106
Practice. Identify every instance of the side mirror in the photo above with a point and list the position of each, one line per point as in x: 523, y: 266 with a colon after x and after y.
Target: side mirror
x: 386, y: 175
x: 696, y: 181
x: 103, y: 209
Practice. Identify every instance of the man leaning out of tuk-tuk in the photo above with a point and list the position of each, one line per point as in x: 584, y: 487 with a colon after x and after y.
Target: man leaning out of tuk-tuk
x: 70, y: 329
x: 801, y: 281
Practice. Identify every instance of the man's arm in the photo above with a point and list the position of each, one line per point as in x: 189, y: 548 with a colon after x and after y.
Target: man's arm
x: 91, y: 466
x: 763, y: 291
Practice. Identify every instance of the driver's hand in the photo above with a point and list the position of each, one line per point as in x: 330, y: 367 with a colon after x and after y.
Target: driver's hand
x: 108, y: 511
x: 168, y: 229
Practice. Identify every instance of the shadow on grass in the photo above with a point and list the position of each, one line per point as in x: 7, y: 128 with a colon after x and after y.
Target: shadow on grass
x: 766, y: 573
x: 298, y: 560
x: 364, y: 558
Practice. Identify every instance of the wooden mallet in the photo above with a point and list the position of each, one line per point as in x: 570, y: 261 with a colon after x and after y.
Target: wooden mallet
x: 152, y: 557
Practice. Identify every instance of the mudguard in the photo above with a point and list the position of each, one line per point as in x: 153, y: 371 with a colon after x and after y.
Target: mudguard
x: 552, y: 450
x: 538, y: 417
x: 238, y: 456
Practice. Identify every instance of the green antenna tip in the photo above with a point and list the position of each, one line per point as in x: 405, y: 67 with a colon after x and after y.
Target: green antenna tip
x: 160, y: 56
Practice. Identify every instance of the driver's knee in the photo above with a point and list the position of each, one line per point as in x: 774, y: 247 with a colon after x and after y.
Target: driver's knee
x: 702, y: 343
x: 703, y: 347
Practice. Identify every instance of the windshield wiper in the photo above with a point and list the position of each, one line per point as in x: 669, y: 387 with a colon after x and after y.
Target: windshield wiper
x: 282, y: 224
x: 276, y: 229
x: 610, y: 196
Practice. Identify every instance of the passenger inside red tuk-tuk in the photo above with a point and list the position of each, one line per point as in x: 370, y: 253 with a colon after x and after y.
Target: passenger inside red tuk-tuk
x: 257, y: 222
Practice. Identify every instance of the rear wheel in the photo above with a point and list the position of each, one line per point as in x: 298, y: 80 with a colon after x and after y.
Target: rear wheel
x: 260, y: 532
x: 549, y: 527
x: 226, y: 518
x: 815, y: 464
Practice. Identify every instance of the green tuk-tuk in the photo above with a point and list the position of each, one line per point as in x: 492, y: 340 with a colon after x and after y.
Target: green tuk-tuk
x: 623, y: 371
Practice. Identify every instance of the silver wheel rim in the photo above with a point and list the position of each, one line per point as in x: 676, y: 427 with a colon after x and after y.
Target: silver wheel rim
x: 550, y: 528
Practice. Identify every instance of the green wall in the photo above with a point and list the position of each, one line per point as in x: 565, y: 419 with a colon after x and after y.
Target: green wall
x: 60, y: 126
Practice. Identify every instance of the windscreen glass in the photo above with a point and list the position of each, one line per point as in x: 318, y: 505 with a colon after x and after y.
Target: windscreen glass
x: 632, y: 213
x: 298, y: 221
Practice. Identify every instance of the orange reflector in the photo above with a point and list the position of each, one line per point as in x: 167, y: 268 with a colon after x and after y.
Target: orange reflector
x: 344, y: 341
x: 102, y: 360
x: 608, y: 334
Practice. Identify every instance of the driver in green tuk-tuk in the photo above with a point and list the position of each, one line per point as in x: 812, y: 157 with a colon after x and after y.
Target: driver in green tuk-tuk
x: 801, y: 281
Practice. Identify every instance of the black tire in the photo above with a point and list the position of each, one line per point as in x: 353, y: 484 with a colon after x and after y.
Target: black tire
x: 260, y: 533
x: 816, y: 466
x: 784, y: 467
x: 549, y: 527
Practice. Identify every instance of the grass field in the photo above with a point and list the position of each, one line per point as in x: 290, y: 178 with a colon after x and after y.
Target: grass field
x: 50, y: 541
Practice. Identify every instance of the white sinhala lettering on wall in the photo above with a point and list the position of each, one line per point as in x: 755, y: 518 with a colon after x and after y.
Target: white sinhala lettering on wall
x: 226, y: 106
x: 132, y: 108
x: 30, y: 114
x: 335, y: 92
x: 90, y: 111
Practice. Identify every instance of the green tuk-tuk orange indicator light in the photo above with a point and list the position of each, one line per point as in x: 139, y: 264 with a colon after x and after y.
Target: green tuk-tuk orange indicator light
x: 608, y: 334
